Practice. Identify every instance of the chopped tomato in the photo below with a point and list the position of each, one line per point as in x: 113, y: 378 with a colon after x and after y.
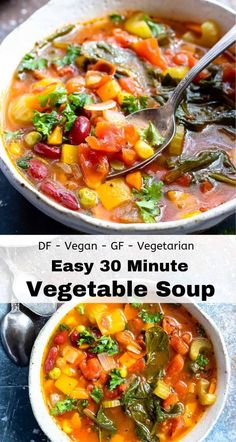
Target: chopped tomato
x: 185, y: 180
x: 178, y: 344
x: 129, y: 85
x: 129, y: 156
x: 177, y: 426
x: 181, y: 59
x: 110, y: 138
x: 150, y: 50
x: 206, y: 186
x: 123, y: 37
x: 94, y: 166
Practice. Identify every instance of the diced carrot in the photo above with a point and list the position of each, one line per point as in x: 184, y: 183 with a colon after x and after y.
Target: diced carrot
x: 131, y: 134
x: 137, y: 367
x: 75, y: 84
x: 212, y: 386
x: 181, y: 59
x: 134, y: 180
x: 123, y: 37
x: 150, y: 50
x: 169, y: 324
x: 130, y: 312
x: 181, y: 389
x: 178, y: 344
x: 206, y: 186
x: 129, y: 156
x: 127, y: 360
x: 170, y: 401
x: 175, y: 366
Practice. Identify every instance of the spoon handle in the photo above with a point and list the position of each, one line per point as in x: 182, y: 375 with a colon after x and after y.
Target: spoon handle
x: 226, y: 41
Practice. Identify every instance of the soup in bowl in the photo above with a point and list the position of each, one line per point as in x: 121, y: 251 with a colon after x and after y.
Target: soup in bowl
x: 65, y: 128
x: 136, y: 372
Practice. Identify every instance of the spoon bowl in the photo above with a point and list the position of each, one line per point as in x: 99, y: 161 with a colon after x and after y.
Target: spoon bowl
x: 18, y: 335
x: 163, y: 117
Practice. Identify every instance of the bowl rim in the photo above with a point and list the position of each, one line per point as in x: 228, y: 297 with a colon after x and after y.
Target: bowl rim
x: 88, y: 223
x: 49, y: 426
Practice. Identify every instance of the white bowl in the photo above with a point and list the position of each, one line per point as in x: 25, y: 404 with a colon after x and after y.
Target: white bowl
x: 55, y: 15
x: 199, y: 432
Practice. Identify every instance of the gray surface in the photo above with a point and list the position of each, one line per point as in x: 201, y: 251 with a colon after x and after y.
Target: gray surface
x: 17, y: 423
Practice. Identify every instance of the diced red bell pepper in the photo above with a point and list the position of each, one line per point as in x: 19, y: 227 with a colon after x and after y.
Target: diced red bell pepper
x: 206, y: 186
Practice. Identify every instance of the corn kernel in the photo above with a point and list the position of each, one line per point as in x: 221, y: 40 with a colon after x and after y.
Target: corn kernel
x: 143, y: 150
x: 55, y: 373
x: 80, y: 328
x: 123, y: 372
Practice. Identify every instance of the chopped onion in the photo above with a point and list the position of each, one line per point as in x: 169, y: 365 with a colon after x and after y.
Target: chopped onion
x: 54, y: 398
x: 111, y: 404
x: 110, y: 104
x: 107, y: 362
x: 114, y: 116
x: 134, y: 348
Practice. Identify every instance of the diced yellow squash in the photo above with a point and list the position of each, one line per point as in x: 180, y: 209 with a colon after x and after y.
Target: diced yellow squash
x: 95, y: 311
x: 177, y: 72
x: 70, y: 354
x: 72, y: 321
x: 143, y: 150
x: 21, y: 109
x: 69, y: 154
x: 55, y: 138
x: 137, y: 26
x: 191, y: 214
x: 190, y: 409
x: 15, y: 148
x: 79, y: 393
x: 127, y: 360
x: 76, y: 420
x: 46, y: 85
x: 66, y: 384
x: 109, y: 90
x: 210, y: 34
x: 181, y: 199
x: 118, y: 438
x: 176, y: 145
x: 113, y: 193
x: 113, y: 322
x: 66, y: 427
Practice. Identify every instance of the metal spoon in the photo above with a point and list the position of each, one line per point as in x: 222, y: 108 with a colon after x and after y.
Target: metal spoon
x: 18, y: 335
x: 163, y: 117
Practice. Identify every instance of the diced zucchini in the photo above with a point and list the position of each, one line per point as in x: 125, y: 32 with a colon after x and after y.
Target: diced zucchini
x: 176, y: 145
x: 162, y: 390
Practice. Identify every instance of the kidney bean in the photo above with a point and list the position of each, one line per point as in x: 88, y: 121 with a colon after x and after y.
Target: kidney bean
x: 51, y: 359
x: 62, y: 196
x: 74, y: 337
x: 80, y: 130
x: 61, y: 338
x: 91, y: 369
x: 37, y: 170
x: 52, y: 152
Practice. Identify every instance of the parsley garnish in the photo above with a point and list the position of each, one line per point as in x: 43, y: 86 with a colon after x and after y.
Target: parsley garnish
x: 200, y: 363
x: 70, y: 117
x: 78, y: 100
x: 115, y: 379
x: 157, y: 29
x: 148, y: 199
x: 63, y: 406
x: 150, y: 318
x: 31, y: 63
x: 105, y: 344
x: 136, y: 304
x: 45, y: 122
x: 72, y: 52
x: 12, y: 136
x: 86, y: 337
x: 131, y: 104
x: 116, y: 18
x: 55, y: 98
x: 23, y: 162
x: 64, y: 327
x: 81, y: 309
x: 96, y: 394
x: 151, y: 135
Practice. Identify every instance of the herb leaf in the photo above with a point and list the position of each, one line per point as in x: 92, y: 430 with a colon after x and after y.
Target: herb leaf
x: 116, y: 18
x: 63, y: 406
x: 150, y: 318
x: 115, y: 379
x: 30, y: 62
x: 151, y: 135
x: 23, y: 162
x: 81, y: 309
x: 70, y: 116
x: 73, y: 51
x: 12, y: 136
x: 86, y: 337
x: 79, y: 100
x: 131, y: 104
x: 148, y: 199
x: 55, y: 98
x: 96, y: 394
x: 64, y: 327
x: 45, y: 122
x: 106, y: 344
x: 200, y: 363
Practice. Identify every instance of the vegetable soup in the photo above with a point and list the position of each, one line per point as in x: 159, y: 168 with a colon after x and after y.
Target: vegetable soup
x: 128, y: 372
x: 65, y: 128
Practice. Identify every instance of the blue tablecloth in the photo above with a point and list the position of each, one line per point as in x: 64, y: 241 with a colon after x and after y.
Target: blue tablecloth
x: 17, y: 423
